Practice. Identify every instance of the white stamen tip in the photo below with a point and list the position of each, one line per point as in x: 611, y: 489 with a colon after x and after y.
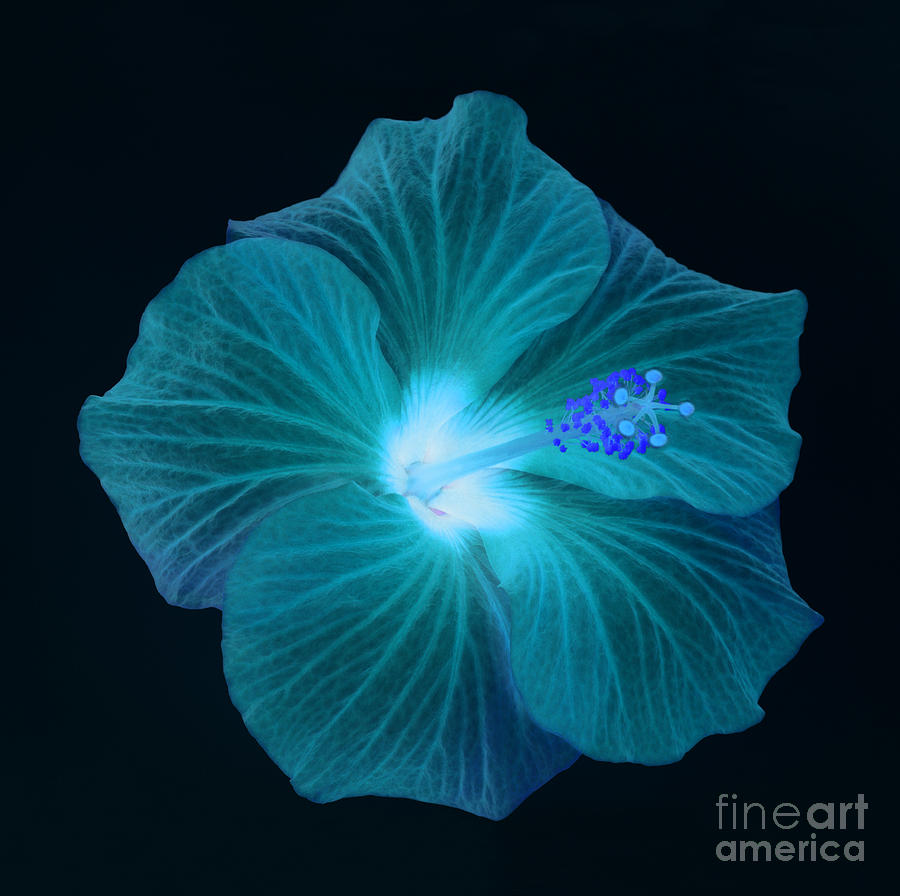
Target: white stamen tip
x: 621, y: 396
x: 626, y: 427
x: 658, y: 439
x: 653, y: 376
x: 685, y: 409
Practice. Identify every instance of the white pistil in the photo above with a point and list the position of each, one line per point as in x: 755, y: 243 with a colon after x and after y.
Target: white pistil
x: 591, y: 414
x: 425, y: 480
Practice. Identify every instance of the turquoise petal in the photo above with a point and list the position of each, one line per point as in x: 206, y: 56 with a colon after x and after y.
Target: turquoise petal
x: 640, y: 627
x: 472, y: 241
x: 729, y: 351
x: 256, y: 377
x: 370, y: 656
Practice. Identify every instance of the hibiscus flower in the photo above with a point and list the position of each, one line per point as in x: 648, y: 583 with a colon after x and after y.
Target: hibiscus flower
x: 480, y: 479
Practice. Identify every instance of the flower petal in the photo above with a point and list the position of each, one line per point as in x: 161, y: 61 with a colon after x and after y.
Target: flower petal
x: 729, y: 351
x: 472, y: 241
x: 256, y: 377
x: 640, y: 627
x: 370, y: 656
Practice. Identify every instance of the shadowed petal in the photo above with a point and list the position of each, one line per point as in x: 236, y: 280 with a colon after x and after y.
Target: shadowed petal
x: 640, y: 627
x: 370, y: 656
x: 256, y: 377
x: 731, y: 352
x: 472, y: 241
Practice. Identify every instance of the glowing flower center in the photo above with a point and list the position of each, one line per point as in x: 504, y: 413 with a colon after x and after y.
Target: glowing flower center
x: 622, y: 413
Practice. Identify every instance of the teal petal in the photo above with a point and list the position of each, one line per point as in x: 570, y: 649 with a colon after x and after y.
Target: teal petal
x: 472, y: 241
x: 729, y: 351
x: 256, y: 377
x: 640, y: 627
x: 369, y: 655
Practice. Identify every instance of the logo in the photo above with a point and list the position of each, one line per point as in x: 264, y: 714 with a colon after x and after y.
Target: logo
x: 819, y: 832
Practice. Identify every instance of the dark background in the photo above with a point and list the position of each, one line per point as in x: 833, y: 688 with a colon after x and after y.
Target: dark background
x: 753, y: 142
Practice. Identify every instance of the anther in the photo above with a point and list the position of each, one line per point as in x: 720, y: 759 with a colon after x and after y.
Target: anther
x: 627, y: 407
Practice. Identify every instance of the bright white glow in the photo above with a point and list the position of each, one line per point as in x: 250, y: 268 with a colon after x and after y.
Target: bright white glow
x: 658, y: 439
x: 481, y: 499
x: 686, y: 409
x: 653, y: 376
x: 626, y: 427
x: 428, y: 403
x: 420, y: 436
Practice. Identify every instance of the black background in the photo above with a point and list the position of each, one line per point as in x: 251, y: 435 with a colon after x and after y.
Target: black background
x: 753, y: 142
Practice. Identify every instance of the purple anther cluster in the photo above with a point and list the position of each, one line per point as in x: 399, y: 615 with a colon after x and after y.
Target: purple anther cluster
x: 585, y: 415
